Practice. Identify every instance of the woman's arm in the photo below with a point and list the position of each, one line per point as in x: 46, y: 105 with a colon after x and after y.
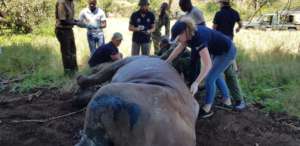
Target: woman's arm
x: 180, y: 47
x: 206, y: 63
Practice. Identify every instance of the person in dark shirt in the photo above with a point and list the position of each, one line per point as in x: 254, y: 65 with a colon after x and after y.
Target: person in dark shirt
x: 142, y: 25
x: 224, y: 21
x: 206, y: 43
x: 108, y: 52
x: 162, y: 21
x: 226, y: 18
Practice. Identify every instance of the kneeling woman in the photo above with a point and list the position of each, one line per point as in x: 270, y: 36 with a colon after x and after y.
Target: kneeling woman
x: 205, y: 43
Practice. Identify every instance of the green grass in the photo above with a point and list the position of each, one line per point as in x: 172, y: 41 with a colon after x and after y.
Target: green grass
x: 270, y: 69
x: 35, y: 57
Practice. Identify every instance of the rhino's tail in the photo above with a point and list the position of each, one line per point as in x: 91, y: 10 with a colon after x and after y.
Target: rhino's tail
x: 117, y: 105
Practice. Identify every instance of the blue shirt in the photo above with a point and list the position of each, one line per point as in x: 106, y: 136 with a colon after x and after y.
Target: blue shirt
x: 225, y: 19
x: 147, y: 22
x: 102, y: 54
x: 216, y: 42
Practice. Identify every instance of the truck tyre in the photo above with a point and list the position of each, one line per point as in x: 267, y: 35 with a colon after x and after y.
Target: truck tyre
x: 292, y: 29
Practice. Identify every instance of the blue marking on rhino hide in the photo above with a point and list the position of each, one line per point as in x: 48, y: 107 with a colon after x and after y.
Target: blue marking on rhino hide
x: 117, y: 105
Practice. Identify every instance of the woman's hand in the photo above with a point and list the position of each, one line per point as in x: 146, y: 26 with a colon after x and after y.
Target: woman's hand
x: 194, y: 87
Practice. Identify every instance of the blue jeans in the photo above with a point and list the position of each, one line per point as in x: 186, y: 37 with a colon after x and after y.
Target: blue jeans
x: 95, y: 41
x: 215, y: 75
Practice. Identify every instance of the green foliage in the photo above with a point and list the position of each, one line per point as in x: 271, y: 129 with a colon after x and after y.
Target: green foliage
x: 24, y: 15
x: 106, y: 5
x: 209, y: 9
x: 20, y: 54
x: 155, y: 5
x: 212, y: 7
x: 46, y: 28
x: 33, y: 57
x: 270, y: 71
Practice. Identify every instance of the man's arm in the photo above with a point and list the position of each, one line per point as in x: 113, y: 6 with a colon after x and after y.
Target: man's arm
x: 240, y: 25
x: 82, y: 22
x: 103, y: 20
x: 152, y: 29
x: 132, y: 23
x: 216, y: 21
x: 239, y: 21
x: 133, y: 29
x: 103, y: 24
x: 215, y: 26
x: 105, y: 73
x: 115, y: 57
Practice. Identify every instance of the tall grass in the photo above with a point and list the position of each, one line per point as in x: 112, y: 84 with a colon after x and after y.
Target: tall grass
x: 270, y: 68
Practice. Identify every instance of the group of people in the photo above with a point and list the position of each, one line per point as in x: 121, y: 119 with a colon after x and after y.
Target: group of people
x: 212, y: 51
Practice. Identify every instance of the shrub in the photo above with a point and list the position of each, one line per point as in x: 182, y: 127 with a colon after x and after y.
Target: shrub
x: 24, y: 15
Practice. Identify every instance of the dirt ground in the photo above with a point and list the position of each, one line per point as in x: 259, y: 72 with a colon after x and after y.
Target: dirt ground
x: 226, y: 128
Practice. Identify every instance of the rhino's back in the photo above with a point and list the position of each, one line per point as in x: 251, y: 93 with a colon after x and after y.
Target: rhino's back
x: 148, y: 70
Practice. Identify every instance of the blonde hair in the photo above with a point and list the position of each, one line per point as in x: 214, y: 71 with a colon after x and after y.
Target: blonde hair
x: 190, y: 25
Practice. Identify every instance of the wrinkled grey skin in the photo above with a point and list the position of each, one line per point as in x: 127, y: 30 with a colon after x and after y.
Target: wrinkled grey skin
x: 146, y: 104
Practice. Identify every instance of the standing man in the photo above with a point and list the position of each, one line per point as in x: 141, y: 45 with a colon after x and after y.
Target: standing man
x: 191, y: 11
x: 95, y: 21
x: 163, y: 20
x: 64, y: 14
x: 142, y: 25
x: 224, y: 22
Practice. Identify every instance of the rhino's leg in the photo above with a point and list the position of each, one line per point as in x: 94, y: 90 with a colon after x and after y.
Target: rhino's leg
x: 102, y: 114
x: 104, y: 74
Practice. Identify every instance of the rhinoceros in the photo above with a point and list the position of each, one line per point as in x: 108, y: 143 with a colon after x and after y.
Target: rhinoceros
x: 146, y: 103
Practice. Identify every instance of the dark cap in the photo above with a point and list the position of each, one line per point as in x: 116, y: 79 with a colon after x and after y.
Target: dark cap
x: 177, y: 29
x: 143, y: 2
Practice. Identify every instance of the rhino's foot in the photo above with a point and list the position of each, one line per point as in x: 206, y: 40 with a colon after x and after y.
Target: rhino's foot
x: 82, y: 81
x: 85, y: 141
x: 82, y: 97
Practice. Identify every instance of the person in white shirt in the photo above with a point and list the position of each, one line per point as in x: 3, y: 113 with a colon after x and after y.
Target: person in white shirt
x: 94, y: 19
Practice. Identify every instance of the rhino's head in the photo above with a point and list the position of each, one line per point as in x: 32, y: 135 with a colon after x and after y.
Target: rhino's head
x: 95, y: 133
x: 93, y: 140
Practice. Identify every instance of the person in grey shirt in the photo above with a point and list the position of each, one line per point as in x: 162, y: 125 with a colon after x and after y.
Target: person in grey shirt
x: 191, y: 11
